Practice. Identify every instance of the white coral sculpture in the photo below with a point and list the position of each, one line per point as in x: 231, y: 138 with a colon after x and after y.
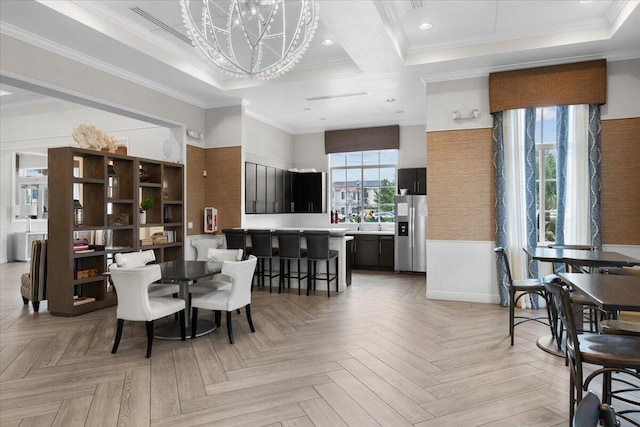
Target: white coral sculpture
x: 89, y: 136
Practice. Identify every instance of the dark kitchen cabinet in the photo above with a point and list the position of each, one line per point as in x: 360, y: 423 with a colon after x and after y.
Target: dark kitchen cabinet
x: 272, y: 190
x: 367, y: 251
x: 350, y: 249
x: 386, y: 251
x: 414, y: 180
x: 264, y: 189
x: 307, y: 191
x: 373, y: 251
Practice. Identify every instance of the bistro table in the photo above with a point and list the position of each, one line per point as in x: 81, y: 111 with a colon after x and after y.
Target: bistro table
x: 581, y: 257
x: 611, y: 293
x: 576, y: 257
x: 184, y: 273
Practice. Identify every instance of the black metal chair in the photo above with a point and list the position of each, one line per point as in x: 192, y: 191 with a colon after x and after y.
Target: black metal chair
x: 290, y: 244
x: 526, y: 287
x: 263, y: 249
x: 237, y: 239
x: 318, y: 250
x: 591, y: 413
x: 616, y: 354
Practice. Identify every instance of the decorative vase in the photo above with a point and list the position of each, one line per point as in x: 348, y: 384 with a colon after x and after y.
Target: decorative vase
x: 143, y: 217
x: 144, y: 175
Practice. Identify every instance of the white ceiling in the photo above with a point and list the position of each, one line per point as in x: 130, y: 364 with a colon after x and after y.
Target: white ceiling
x: 379, y: 52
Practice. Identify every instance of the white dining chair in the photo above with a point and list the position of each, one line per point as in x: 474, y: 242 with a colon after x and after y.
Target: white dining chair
x: 134, y: 303
x: 238, y: 296
x: 139, y: 259
x: 219, y: 281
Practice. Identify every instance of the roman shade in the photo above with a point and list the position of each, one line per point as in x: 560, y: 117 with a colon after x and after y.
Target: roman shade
x: 567, y: 84
x: 375, y: 138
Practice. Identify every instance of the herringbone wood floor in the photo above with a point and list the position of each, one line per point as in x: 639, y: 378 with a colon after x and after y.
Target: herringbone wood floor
x: 378, y: 354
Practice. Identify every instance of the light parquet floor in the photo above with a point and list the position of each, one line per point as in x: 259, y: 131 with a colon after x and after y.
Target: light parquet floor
x: 378, y: 354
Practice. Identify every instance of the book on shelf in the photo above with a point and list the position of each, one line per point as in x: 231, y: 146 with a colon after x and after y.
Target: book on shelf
x: 82, y: 300
x: 83, y: 251
x: 80, y: 247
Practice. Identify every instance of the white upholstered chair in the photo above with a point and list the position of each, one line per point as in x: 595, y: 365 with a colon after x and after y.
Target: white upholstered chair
x: 139, y: 259
x: 135, y: 304
x: 238, y: 296
x: 220, y: 281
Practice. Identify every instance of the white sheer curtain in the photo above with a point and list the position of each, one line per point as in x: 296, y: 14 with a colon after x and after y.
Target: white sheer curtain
x: 577, y: 229
x: 515, y: 199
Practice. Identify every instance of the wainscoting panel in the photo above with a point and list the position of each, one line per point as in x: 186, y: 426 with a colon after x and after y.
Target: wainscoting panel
x: 460, y: 270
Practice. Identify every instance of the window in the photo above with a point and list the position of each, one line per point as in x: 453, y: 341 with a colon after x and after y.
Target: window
x: 363, y: 185
x: 546, y: 190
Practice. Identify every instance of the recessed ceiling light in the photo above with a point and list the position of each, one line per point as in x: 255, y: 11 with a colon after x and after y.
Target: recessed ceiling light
x: 391, y: 99
x: 4, y: 92
x: 425, y: 26
x: 327, y: 42
x: 584, y: 1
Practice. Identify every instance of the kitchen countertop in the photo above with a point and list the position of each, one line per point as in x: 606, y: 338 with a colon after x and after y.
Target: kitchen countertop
x: 375, y: 232
x: 335, y: 232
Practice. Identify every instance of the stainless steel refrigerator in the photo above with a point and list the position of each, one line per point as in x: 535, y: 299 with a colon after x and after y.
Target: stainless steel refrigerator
x: 411, y: 234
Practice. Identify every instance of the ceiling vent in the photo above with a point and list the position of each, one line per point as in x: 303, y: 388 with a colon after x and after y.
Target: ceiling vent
x: 149, y: 17
x: 344, y: 95
x: 417, y: 4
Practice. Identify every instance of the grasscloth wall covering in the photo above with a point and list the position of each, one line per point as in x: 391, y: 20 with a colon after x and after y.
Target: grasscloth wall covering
x: 460, y: 185
x: 195, y: 189
x: 567, y: 84
x: 620, y: 171
x: 223, y: 184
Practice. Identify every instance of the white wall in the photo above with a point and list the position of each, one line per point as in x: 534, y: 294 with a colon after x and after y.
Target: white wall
x: 444, y: 98
x: 267, y: 145
x: 623, y: 90
x: 223, y: 127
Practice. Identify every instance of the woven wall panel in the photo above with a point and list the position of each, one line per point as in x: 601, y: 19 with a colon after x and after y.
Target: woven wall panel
x: 223, y: 184
x: 568, y: 84
x: 460, y: 185
x: 195, y: 189
x: 375, y: 138
x: 620, y: 170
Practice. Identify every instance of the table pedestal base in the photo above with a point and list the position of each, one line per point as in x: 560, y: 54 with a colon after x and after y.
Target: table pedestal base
x: 548, y: 344
x: 171, y: 330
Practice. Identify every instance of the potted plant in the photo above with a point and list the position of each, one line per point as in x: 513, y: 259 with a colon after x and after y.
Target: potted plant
x: 144, y: 207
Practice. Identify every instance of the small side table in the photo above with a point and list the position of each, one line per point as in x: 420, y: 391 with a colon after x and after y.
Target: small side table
x: 22, y: 243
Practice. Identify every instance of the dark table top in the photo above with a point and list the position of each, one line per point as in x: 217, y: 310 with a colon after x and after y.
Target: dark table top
x: 610, y: 292
x: 189, y: 270
x: 582, y: 257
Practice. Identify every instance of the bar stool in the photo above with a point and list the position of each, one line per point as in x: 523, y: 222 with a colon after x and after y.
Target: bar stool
x: 290, y: 243
x: 263, y: 249
x: 318, y: 248
x: 237, y: 239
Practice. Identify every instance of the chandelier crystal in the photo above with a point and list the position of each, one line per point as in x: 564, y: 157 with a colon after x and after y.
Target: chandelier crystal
x: 260, y: 39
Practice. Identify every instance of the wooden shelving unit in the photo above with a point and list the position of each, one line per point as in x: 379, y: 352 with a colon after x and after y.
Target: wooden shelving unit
x: 87, y: 176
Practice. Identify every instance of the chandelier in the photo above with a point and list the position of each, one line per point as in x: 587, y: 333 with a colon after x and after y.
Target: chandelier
x: 260, y: 39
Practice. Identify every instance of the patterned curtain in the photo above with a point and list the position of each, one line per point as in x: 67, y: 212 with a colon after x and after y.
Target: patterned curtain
x: 562, y: 146
x: 530, y: 192
x: 594, y: 174
x: 501, y: 205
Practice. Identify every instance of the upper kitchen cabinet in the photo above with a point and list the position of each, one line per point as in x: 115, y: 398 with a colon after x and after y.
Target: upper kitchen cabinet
x: 271, y: 190
x: 307, y: 192
x: 414, y: 180
x: 264, y: 189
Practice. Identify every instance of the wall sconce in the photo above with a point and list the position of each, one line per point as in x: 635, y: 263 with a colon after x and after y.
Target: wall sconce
x: 475, y: 113
x: 194, y: 134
